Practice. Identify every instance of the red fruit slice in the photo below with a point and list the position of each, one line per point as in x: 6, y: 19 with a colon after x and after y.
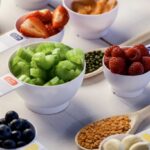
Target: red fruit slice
x: 33, y: 27
x: 117, y: 65
x: 136, y: 68
x: 28, y: 15
x: 51, y: 30
x: 133, y: 54
x: 146, y: 63
x: 60, y: 17
x: 45, y: 16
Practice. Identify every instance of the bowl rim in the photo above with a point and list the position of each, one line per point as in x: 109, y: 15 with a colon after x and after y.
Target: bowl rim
x: 91, y: 15
x: 38, y: 86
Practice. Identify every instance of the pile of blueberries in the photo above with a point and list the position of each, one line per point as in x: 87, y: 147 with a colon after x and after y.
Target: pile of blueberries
x: 15, y: 132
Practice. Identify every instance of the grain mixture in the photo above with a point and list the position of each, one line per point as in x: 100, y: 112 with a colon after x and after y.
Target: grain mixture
x: 91, y: 136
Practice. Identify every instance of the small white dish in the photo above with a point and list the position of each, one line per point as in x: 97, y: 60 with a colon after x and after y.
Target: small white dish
x: 96, y: 27
x: 96, y: 72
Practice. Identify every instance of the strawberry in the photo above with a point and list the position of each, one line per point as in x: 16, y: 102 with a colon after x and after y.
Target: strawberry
x: 106, y: 61
x: 133, y: 54
x: 60, y: 17
x: 28, y: 15
x: 146, y: 63
x: 136, y: 68
x: 142, y: 49
x: 33, y: 27
x: 45, y: 16
x: 117, y: 65
x: 117, y: 52
x: 51, y: 30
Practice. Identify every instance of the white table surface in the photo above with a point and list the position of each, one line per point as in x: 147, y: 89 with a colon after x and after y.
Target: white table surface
x: 94, y: 100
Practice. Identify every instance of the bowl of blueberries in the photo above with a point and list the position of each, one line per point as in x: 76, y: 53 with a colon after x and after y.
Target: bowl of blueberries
x: 15, y: 132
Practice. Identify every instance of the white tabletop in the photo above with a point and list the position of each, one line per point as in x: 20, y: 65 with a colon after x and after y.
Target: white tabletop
x: 94, y: 100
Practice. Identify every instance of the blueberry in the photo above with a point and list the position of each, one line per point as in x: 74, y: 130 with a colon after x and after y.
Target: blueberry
x: 2, y: 121
x: 25, y: 124
x: 11, y: 115
x: 21, y: 143
x: 15, y: 124
x: 9, y: 144
x: 16, y: 135
x: 5, y: 131
x: 28, y: 135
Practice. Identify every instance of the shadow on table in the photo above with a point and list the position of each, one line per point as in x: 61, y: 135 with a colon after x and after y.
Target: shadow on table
x: 93, y: 80
x: 68, y: 122
x: 138, y: 103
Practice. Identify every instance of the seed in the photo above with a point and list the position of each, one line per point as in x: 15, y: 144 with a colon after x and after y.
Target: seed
x: 93, y: 60
x: 99, y: 130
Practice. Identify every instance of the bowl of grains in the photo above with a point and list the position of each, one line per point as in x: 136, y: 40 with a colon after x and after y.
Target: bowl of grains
x: 90, y: 136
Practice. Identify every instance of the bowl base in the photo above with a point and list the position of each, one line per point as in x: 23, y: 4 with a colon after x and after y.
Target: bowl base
x: 128, y: 94
x: 48, y: 111
x: 92, y: 36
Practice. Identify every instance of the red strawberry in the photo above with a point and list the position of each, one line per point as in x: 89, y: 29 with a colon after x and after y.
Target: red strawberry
x: 106, y: 61
x: 136, y: 68
x: 133, y: 54
x: 45, y: 16
x: 60, y: 17
x: 51, y: 30
x: 146, y: 63
x: 142, y: 49
x: 117, y: 52
x: 28, y: 15
x: 33, y: 27
x: 117, y: 65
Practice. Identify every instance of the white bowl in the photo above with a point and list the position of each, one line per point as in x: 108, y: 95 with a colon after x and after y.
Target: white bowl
x: 31, y: 4
x: 49, y: 99
x: 56, y: 38
x: 90, y: 26
x: 125, y: 85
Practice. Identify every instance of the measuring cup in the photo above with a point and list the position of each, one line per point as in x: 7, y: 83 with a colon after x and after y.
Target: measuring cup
x: 13, y: 38
x: 41, y: 99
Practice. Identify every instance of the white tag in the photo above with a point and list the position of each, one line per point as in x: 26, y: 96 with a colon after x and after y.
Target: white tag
x: 8, y: 83
x: 11, y: 39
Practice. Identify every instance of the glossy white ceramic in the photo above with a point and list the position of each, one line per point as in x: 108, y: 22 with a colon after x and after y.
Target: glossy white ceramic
x: 90, y: 26
x: 31, y: 4
x: 49, y: 99
x: 125, y: 85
